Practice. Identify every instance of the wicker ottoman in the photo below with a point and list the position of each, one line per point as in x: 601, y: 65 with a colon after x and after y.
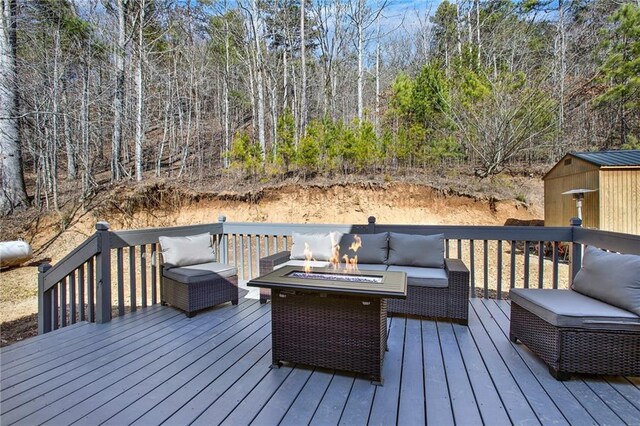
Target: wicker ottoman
x: 573, y: 333
x: 196, y: 287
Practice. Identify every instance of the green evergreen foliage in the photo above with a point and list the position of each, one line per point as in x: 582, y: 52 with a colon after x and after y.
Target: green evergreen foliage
x: 308, y: 153
x: 285, y: 147
x: 621, y: 71
x: 246, y: 155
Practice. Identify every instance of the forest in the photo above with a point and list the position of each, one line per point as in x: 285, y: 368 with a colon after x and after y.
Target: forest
x: 132, y: 89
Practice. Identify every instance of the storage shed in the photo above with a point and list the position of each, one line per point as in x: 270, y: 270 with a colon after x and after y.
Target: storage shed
x: 613, y: 207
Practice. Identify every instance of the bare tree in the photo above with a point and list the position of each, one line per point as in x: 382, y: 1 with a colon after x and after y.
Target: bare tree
x: 13, y: 196
x: 120, y: 52
x: 303, y: 70
x: 140, y: 93
x: 254, y: 25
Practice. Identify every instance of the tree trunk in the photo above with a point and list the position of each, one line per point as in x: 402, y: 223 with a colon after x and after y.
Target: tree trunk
x: 303, y: 66
x: 225, y: 89
x: 13, y: 196
x: 140, y: 93
x: 259, y: 76
x: 118, y: 99
x: 360, y: 31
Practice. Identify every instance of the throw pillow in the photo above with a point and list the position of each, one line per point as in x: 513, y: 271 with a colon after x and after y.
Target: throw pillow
x: 320, y: 245
x: 185, y: 251
x: 610, y: 277
x: 374, y: 248
x: 416, y: 250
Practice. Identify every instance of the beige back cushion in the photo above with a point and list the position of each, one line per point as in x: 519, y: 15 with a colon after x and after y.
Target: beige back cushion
x: 185, y: 251
x: 320, y: 245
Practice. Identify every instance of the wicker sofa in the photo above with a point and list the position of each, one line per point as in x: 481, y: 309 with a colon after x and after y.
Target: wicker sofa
x: 436, y: 287
x: 592, y: 328
x: 190, y: 278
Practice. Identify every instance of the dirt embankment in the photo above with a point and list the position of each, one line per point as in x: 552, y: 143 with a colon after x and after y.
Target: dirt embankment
x: 161, y: 205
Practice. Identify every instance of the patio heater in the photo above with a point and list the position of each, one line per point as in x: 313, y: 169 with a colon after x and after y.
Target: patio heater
x: 578, y: 195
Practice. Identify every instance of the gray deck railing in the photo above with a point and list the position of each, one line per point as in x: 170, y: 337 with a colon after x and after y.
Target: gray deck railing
x: 94, y: 282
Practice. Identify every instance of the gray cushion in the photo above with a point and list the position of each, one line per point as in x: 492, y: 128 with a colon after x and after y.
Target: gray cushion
x: 189, y: 250
x: 312, y: 263
x: 320, y: 245
x: 197, y: 273
x: 370, y: 266
x: 567, y: 308
x: 374, y: 247
x: 423, y: 277
x: 611, y: 277
x: 416, y: 250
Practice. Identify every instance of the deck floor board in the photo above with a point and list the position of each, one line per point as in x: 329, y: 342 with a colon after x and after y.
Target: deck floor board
x: 155, y: 365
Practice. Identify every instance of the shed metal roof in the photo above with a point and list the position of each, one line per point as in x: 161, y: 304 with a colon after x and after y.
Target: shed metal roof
x: 611, y: 158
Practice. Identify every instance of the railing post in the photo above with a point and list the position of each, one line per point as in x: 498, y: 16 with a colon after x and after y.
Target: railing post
x: 222, y: 248
x: 103, y: 274
x: 371, y: 227
x: 44, y: 301
x: 576, y: 251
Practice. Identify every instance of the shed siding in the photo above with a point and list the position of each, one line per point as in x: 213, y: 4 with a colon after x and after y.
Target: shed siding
x: 619, y: 199
x: 558, y: 208
x: 577, y: 166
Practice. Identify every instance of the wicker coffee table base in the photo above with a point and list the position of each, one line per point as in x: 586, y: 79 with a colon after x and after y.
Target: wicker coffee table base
x: 333, y: 331
x: 572, y: 350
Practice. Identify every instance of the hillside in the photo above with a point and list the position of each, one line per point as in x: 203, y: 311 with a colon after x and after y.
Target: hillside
x: 162, y: 203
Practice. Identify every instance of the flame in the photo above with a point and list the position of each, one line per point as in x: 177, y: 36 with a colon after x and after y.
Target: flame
x: 308, y: 255
x: 356, y: 244
x: 335, y: 252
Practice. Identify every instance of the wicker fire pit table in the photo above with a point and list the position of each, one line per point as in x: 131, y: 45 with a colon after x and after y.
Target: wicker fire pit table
x: 331, y: 319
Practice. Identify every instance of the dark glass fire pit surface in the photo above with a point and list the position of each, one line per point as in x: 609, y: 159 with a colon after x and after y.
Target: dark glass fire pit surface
x: 331, y: 323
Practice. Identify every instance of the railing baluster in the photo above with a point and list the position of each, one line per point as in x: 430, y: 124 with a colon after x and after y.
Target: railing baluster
x: 486, y: 268
x: 133, y: 302
x: 143, y: 277
x: 242, y: 255
x: 555, y: 264
x: 154, y: 274
x: 81, y: 292
x: 512, y: 277
x: 72, y: 297
x: 526, y: 264
x: 132, y: 274
x: 459, y: 249
x: 91, y: 288
x: 120, y: 278
x: 63, y: 302
x: 56, y: 313
x: 540, y: 264
x: 446, y: 248
x: 472, y: 267
x: 235, y: 250
x: 259, y: 251
x: 249, y: 250
x: 266, y: 244
x: 499, y: 281
x: 286, y: 242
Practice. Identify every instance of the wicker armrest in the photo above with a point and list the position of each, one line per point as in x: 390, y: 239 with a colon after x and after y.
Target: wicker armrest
x: 269, y: 262
x: 458, y: 304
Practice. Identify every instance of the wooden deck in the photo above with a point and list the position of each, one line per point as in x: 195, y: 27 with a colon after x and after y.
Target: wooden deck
x: 156, y: 365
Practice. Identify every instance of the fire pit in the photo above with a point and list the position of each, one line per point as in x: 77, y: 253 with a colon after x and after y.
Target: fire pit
x: 332, y: 319
x: 336, y: 276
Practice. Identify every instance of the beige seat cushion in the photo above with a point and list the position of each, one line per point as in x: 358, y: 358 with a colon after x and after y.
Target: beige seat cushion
x: 423, y: 277
x: 196, y: 273
x: 568, y: 308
